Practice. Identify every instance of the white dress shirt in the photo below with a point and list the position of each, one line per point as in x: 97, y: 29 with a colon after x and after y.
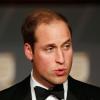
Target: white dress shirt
x: 34, y: 83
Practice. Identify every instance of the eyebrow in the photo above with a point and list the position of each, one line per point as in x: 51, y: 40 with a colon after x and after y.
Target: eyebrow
x: 67, y: 41
x: 50, y: 45
x: 54, y: 45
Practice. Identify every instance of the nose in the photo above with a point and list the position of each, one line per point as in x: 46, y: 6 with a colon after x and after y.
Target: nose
x: 60, y: 57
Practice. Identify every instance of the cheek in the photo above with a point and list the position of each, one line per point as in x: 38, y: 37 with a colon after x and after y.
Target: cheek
x: 43, y: 62
x: 69, y: 57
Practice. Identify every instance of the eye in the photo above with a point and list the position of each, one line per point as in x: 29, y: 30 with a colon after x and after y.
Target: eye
x: 49, y: 49
x: 66, y: 46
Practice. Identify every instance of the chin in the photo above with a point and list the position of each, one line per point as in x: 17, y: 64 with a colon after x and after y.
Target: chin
x: 60, y: 80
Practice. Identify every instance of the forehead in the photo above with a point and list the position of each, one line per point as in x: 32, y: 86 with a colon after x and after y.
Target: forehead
x: 54, y: 31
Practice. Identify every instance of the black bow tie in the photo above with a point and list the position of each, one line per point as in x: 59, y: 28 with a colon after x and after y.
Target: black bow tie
x: 42, y: 94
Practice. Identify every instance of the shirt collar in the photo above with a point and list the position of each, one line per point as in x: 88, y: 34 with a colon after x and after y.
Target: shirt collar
x: 34, y: 83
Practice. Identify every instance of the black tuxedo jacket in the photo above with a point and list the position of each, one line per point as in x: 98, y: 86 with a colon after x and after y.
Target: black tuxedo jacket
x: 76, y: 91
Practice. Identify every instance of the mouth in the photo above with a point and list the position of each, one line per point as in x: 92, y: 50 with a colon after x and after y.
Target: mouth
x: 60, y: 72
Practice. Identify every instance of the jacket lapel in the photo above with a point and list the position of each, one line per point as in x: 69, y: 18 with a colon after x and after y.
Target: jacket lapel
x: 71, y: 93
x: 28, y: 90
x: 28, y: 96
x: 71, y: 96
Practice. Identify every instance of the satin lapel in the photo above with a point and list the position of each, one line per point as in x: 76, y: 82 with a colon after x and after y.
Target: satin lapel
x: 28, y: 96
x: 28, y: 90
x: 71, y: 95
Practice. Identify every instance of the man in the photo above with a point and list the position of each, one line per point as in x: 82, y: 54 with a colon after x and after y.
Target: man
x: 48, y: 45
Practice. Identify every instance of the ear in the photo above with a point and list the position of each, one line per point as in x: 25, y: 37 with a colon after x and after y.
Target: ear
x: 28, y: 51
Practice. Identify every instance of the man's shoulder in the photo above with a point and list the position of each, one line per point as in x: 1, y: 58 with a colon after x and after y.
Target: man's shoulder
x: 15, y: 90
x: 79, y: 84
x: 83, y: 84
x: 83, y: 88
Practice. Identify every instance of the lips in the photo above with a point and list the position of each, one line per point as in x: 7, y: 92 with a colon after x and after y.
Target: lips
x: 60, y: 72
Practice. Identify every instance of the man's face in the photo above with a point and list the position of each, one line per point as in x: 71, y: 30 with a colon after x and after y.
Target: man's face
x: 52, y: 56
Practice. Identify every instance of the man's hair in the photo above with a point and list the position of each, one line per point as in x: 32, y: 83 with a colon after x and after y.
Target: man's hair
x: 36, y: 18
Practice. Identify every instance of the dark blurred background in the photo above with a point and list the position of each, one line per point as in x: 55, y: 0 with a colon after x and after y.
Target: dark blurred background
x: 85, y: 22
